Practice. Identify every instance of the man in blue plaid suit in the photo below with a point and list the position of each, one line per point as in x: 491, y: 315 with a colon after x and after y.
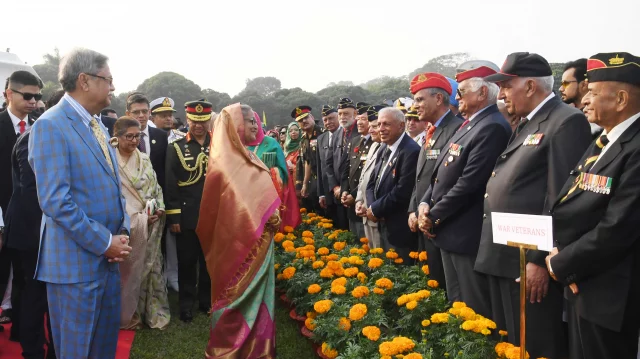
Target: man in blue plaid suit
x: 84, y: 230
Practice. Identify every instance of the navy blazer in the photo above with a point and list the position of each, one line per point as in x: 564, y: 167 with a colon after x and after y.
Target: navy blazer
x: 23, y: 215
x: 456, y: 193
x: 391, y: 200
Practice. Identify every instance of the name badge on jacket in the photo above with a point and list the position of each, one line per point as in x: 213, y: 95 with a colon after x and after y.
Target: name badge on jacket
x: 595, y: 183
x: 433, y: 154
x: 533, y: 139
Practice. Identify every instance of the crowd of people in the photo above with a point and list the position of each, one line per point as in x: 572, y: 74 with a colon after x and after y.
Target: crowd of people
x: 104, y: 214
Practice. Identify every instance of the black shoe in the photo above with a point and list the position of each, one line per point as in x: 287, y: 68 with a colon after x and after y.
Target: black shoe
x: 203, y: 309
x: 186, y: 316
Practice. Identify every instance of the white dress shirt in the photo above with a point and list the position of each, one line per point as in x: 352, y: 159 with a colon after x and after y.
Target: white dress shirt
x: 616, y: 132
x: 420, y: 138
x: 16, y: 121
x: 535, y: 110
x: 479, y: 112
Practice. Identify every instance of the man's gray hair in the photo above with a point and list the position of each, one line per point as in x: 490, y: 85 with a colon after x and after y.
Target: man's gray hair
x: 393, y: 112
x: 445, y: 96
x: 545, y: 83
x: 475, y: 83
x: 79, y: 61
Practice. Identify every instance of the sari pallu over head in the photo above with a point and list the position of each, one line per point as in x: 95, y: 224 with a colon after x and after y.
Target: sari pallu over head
x: 238, y: 199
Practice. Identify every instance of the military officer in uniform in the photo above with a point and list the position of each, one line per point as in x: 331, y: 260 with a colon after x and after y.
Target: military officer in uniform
x: 186, y: 168
x: 595, y: 218
x: 162, y: 111
x: 307, y: 181
x: 357, y: 151
x: 526, y: 179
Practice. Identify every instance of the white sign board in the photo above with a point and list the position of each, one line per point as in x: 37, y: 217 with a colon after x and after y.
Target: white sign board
x: 523, y: 228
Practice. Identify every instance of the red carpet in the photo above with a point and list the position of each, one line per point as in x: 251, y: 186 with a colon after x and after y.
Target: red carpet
x: 12, y: 350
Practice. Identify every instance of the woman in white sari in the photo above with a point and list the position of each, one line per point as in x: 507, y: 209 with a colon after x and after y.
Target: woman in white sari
x: 144, y: 291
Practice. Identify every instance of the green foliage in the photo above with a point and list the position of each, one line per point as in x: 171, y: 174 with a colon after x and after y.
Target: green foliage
x: 48, y: 71
x: 558, y: 69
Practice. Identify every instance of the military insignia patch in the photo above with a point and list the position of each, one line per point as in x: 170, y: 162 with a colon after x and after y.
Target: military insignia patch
x: 533, y: 139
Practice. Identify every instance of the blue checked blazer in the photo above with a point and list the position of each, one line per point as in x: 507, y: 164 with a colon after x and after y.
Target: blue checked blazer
x: 79, y: 195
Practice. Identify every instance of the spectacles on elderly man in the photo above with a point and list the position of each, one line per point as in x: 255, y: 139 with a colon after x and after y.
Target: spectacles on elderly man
x: 108, y: 79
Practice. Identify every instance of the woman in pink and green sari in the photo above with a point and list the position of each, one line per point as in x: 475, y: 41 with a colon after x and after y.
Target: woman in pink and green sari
x: 238, y: 217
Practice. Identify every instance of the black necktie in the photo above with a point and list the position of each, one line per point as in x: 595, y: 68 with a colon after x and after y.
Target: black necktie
x: 382, y: 163
x: 595, y: 152
x: 523, y: 122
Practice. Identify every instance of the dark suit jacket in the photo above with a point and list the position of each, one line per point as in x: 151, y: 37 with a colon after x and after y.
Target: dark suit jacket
x: 352, y: 168
x: 158, y: 139
x: 391, y: 201
x: 528, y: 178
x: 447, y: 127
x: 24, y: 215
x: 334, y: 160
x: 8, y: 139
x: 598, y: 238
x: 458, y: 183
x: 321, y: 163
x: 108, y: 122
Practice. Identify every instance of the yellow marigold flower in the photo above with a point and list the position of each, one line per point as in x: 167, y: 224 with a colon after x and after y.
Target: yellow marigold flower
x: 318, y: 264
x: 424, y: 294
x: 376, y: 251
x: 378, y: 291
x: 467, y: 313
x: 375, y: 263
x: 312, y: 215
x: 469, y: 325
x: 385, y: 283
x: 391, y: 254
x: 288, y: 272
x: 344, y: 260
x: 412, y: 305
x: 303, y: 210
x: 399, y: 261
x: 503, y: 333
x: 514, y: 353
x: 338, y: 246
x: 288, y: 229
x: 502, y: 347
x: 278, y: 237
x: 327, y: 225
x: 459, y: 304
x: 426, y: 323
x: 402, y: 300
x: 364, y: 240
x: 276, y: 266
x: 358, y: 311
x: 328, y: 352
x: 333, y: 236
x: 322, y: 306
x: 344, y: 324
x: 312, y: 315
x: 432, y: 283
x: 314, y: 288
x: 425, y: 269
x: 323, y: 251
x: 413, y: 255
x: 398, y: 345
x: 290, y: 236
x: 353, y: 250
x: 372, y: 333
x: 338, y: 289
x: 413, y: 356
x: 438, y: 318
x: 326, y: 220
x: 279, y: 277
x: 307, y: 234
x: 362, y: 277
x: 351, y: 272
x: 422, y: 257
x: 340, y: 281
x: 360, y: 291
x: 310, y: 324
x: 485, y: 331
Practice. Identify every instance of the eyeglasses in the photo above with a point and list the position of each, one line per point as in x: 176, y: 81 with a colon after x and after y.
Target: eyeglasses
x: 140, y: 112
x: 131, y: 136
x: 28, y: 96
x: 566, y: 83
x: 108, y: 79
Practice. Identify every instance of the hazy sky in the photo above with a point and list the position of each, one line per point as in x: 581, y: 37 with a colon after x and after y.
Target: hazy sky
x: 307, y: 44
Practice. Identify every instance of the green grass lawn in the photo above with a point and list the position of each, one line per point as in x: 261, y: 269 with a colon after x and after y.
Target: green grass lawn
x: 188, y: 341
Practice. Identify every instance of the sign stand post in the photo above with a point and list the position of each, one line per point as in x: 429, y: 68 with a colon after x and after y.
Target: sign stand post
x: 523, y: 294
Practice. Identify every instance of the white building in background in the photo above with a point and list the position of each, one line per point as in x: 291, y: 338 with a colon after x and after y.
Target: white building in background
x: 9, y: 63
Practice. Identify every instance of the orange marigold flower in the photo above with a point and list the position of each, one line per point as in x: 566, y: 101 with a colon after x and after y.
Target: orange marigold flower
x: 338, y: 246
x: 310, y: 324
x: 327, y: 225
x: 318, y: 264
x: 338, y: 289
x: 413, y: 356
x: 287, y: 244
x: 353, y: 250
x: 372, y: 333
x: 412, y: 305
x: 351, y: 272
x: 503, y: 333
x: 323, y: 251
x: 362, y: 277
x: 303, y: 210
x: 391, y: 254
x: 288, y: 272
x: 502, y: 347
x: 307, y: 234
x: 422, y: 257
x: 322, y: 306
x: 432, y: 283
x: 384, y: 283
x: 332, y: 257
x: 376, y: 251
x: 276, y: 266
x: 413, y: 255
x: 364, y: 240
x: 425, y: 269
x: 358, y: 311
x: 378, y: 291
x: 314, y: 288
x: 344, y: 324
x: 308, y: 240
x: 326, y: 273
x: 375, y: 263
x: 514, y: 353
x: 399, y: 261
x: 328, y: 352
x: 426, y: 323
x: 340, y: 281
x: 288, y: 229
x: 360, y: 291
x: 365, y: 248
x: 278, y: 237
x: 279, y: 277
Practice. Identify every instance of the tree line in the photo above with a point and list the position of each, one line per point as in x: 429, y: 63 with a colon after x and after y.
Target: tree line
x: 265, y: 94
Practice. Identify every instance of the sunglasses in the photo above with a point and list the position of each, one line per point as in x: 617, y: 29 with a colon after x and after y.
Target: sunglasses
x: 28, y: 96
x: 566, y: 83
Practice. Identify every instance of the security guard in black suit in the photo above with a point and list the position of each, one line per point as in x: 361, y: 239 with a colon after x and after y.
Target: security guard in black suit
x: 526, y: 179
x: 307, y: 181
x: 595, y: 218
x: 444, y: 123
x: 358, y: 149
x: 187, y: 160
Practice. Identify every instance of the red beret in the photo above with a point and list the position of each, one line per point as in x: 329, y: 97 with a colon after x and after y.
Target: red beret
x: 482, y: 71
x: 430, y: 80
